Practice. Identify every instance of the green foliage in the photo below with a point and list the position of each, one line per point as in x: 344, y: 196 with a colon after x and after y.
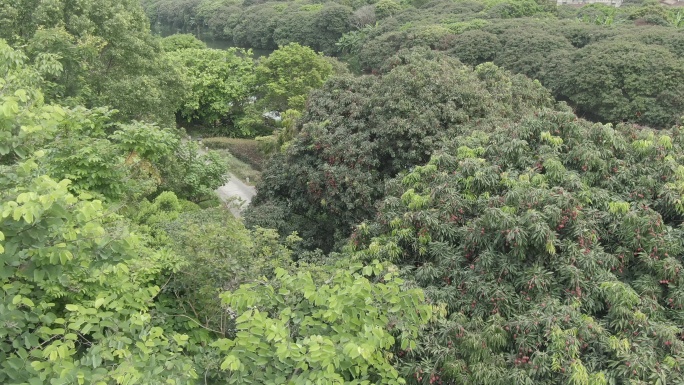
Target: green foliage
x: 179, y: 14
x: 298, y: 329
x: 537, y: 48
x: 247, y: 150
x: 654, y: 14
x: 199, y: 17
x: 386, y: 8
x: 181, y: 41
x: 351, y: 42
x: 464, y: 26
x: 190, y: 174
x: 429, y: 35
x: 164, y: 208
x: 76, y: 291
x: 599, y: 14
x: 549, y: 248
x: 553, y: 244
x: 627, y: 81
x: 77, y: 282
x: 107, y: 53
x: 256, y: 27
x: 119, y: 165
x: 557, y: 52
x: 220, y: 254
x: 117, y: 161
x: 286, y: 77
x: 91, y: 296
x: 358, y: 132
x: 515, y: 9
x: 474, y: 47
x: 22, y: 106
x: 220, y: 82
x: 664, y: 37
x: 96, y: 154
x: 318, y: 29
x: 283, y: 136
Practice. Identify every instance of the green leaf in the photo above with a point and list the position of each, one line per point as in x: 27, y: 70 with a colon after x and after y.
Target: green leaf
x: 231, y: 363
x: 27, y: 302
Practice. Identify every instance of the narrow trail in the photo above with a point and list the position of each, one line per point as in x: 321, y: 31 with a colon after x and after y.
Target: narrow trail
x: 237, y: 194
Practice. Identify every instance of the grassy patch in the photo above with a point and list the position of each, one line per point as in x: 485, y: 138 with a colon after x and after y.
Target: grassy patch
x: 246, y: 150
x: 240, y: 169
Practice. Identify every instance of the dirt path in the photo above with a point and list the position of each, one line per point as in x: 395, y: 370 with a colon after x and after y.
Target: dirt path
x: 237, y: 194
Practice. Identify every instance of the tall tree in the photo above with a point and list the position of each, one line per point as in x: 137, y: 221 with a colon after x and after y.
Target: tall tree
x: 358, y: 132
x: 555, y: 246
x: 622, y: 81
x: 107, y: 52
x: 220, y: 83
x: 287, y: 75
x: 77, y: 282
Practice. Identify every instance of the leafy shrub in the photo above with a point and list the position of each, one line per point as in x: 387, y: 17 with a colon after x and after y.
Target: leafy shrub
x: 182, y: 41
x: 386, y: 8
x: 220, y: 254
x: 342, y: 329
x: 191, y: 175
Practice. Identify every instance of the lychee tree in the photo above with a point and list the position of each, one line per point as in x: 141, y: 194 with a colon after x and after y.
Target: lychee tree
x: 357, y: 133
x: 555, y: 247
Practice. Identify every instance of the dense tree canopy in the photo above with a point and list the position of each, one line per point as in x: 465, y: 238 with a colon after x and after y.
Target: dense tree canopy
x: 551, y: 243
x: 554, y: 244
x: 557, y: 52
x: 627, y: 81
x: 522, y: 36
x: 358, y: 132
x: 110, y: 274
x: 255, y: 27
x: 108, y: 56
x: 317, y: 27
x: 219, y: 82
x: 425, y: 222
x: 77, y: 282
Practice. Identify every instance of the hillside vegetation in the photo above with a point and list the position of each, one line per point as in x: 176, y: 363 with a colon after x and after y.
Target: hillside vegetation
x: 453, y: 192
x: 611, y: 64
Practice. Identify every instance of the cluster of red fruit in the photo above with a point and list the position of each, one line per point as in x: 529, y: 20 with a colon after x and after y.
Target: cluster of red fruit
x: 434, y: 378
x: 330, y: 180
x: 673, y: 306
x: 523, y: 360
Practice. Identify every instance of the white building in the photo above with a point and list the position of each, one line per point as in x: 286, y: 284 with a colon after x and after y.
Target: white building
x: 614, y: 3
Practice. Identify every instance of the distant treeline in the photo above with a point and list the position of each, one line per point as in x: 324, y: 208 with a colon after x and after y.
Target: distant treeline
x: 612, y: 64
